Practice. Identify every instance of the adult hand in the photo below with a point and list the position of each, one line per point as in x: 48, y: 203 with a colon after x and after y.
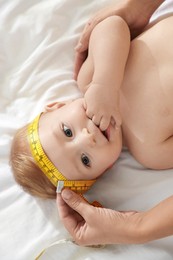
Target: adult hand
x: 85, y: 222
x: 136, y: 14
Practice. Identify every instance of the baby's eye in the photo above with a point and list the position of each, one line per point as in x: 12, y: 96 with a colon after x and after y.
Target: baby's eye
x: 67, y: 131
x: 85, y: 160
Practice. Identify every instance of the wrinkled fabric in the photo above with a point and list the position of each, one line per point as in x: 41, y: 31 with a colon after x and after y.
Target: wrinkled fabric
x: 37, y: 40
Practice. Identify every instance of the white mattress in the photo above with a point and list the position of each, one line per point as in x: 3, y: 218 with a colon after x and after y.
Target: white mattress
x: 37, y: 40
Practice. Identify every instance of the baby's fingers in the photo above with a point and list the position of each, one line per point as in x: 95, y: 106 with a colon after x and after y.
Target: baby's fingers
x: 89, y: 113
x: 96, y: 120
x: 118, y: 120
x: 104, y: 123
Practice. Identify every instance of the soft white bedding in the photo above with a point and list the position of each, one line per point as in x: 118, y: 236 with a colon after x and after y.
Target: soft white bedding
x: 37, y: 40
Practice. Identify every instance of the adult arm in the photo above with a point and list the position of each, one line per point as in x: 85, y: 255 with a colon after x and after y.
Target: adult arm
x: 136, y: 14
x: 85, y: 222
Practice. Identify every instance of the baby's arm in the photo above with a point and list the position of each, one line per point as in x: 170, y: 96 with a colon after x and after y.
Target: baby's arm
x: 107, y: 56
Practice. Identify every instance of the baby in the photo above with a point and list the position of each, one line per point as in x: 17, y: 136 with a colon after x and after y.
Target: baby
x: 71, y: 144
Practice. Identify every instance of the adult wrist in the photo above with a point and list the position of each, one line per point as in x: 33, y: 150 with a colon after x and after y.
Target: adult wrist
x: 137, y: 232
x: 144, y: 8
x: 128, y: 229
x: 145, y: 227
x: 151, y: 5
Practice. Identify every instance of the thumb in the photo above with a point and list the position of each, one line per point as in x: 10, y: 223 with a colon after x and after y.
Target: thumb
x: 74, y: 201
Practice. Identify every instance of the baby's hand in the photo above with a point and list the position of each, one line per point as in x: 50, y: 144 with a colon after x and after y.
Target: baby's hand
x: 102, y: 105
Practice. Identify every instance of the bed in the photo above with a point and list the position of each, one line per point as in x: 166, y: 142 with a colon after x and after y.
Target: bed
x: 37, y: 40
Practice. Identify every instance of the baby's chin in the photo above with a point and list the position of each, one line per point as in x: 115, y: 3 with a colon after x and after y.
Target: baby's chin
x: 110, y: 166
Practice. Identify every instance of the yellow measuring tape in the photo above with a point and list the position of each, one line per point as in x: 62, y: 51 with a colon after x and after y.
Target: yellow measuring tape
x: 48, y: 168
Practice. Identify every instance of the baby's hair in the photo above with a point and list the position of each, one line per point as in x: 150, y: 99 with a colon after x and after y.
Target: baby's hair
x: 25, y: 171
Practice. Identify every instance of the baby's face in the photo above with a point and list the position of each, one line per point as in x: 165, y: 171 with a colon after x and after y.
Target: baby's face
x: 75, y: 145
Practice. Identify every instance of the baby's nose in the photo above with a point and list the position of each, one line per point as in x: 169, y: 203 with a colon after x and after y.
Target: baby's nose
x: 89, y: 137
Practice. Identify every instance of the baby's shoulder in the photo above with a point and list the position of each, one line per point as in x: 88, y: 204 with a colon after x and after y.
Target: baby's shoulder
x: 154, y: 156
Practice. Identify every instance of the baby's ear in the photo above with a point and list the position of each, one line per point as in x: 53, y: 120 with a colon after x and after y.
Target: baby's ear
x: 52, y: 106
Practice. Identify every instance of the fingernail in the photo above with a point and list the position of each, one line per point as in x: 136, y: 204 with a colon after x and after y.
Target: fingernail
x: 66, y: 194
x: 78, y: 47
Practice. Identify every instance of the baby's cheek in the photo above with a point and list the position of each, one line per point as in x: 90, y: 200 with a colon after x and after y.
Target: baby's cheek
x: 109, y: 167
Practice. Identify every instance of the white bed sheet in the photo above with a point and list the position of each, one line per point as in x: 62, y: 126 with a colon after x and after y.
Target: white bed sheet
x: 37, y: 40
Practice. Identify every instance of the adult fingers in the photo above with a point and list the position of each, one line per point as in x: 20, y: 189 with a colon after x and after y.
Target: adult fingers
x: 83, y: 42
x: 75, y: 202
x: 69, y: 217
x: 81, y: 52
x: 79, y: 59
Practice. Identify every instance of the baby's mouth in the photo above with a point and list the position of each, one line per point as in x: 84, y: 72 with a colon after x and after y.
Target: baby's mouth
x: 106, y: 133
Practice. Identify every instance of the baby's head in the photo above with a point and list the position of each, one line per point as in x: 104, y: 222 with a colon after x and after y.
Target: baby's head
x: 62, y: 144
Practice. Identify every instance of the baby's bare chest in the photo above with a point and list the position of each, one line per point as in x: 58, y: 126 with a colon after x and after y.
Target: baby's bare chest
x: 147, y: 95
x: 147, y: 121
x: 147, y: 112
